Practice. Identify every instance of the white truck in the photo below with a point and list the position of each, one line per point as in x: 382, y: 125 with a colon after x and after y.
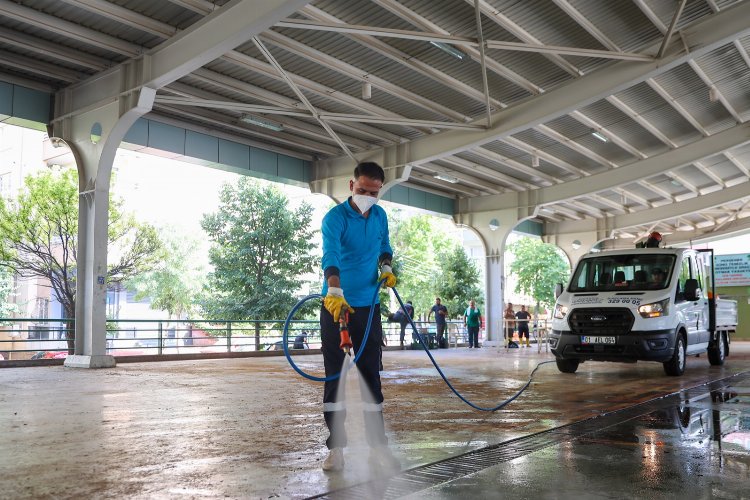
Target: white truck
x: 644, y: 304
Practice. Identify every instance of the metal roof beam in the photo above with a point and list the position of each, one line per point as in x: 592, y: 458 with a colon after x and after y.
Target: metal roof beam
x: 218, y: 33
x: 404, y: 59
x: 496, y: 177
x: 690, y: 153
x: 703, y: 37
x: 234, y: 85
x: 667, y: 212
x: 423, y: 23
x: 360, y: 75
x: 33, y: 17
x: 505, y: 22
x: 125, y: 16
x: 567, y: 51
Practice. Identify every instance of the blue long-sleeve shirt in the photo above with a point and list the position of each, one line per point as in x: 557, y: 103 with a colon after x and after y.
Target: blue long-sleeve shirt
x: 353, y: 245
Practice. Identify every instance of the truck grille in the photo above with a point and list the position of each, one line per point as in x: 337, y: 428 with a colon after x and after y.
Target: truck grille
x: 600, y: 321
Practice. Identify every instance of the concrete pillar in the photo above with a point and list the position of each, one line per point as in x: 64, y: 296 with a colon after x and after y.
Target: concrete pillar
x: 93, y: 134
x: 493, y: 229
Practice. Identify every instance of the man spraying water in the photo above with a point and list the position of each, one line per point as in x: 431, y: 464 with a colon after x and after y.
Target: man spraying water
x: 356, y: 257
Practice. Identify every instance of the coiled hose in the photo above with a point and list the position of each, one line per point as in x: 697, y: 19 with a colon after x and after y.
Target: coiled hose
x: 419, y: 336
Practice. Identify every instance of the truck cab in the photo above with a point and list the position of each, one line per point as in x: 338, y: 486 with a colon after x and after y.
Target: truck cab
x: 644, y: 304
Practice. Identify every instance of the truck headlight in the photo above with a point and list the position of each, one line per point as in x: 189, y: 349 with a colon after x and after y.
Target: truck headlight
x: 655, y: 309
x: 560, y: 311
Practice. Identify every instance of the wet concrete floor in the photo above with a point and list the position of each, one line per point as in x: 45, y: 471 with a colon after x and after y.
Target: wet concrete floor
x: 252, y: 428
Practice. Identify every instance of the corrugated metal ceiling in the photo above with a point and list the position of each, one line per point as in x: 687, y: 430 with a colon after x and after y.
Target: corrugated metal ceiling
x: 420, y: 81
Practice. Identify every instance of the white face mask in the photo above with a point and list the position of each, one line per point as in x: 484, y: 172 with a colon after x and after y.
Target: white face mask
x: 364, y: 202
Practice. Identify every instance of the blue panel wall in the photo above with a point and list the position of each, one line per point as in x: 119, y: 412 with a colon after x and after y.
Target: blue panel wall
x: 138, y: 133
x: 420, y: 199
x: 6, y: 100
x: 24, y: 107
x: 530, y: 227
x: 234, y: 154
x: 264, y: 162
x: 202, y: 146
x: 166, y: 137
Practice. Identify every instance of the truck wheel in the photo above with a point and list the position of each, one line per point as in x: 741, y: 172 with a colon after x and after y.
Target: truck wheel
x: 567, y: 365
x: 676, y: 366
x: 717, y: 351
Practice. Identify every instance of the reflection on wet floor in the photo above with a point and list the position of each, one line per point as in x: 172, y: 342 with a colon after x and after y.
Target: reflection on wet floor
x: 692, y: 444
x: 252, y: 428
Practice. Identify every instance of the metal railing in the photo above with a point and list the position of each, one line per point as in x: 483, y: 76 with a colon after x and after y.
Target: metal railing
x: 30, y: 338
x: 538, y: 330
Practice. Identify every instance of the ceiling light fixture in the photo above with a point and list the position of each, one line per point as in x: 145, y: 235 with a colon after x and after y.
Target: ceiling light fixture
x: 366, y: 90
x: 449, y: 49
x: 713, y: 94
x: 446, y: 178
x: 600, y: 136
x: 261, y: 122
x: 535, y: 161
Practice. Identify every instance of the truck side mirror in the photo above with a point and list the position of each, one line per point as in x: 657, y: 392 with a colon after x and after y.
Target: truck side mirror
x: 692, y: 292
x: 558, y: 290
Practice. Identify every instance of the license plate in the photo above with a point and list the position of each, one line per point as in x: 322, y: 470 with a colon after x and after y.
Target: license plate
x: 598, y: 340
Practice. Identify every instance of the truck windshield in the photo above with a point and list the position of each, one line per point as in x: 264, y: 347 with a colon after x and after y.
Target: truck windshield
x: 622, y: 272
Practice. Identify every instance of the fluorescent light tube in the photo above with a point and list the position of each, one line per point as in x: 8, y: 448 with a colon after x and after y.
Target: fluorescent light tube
x: 261, y: 122
x: 446, y: 178
x: 599, y: 136
x: 450, y: 49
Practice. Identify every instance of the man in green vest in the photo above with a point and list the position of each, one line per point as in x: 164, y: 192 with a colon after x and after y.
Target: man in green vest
x: 472, y: 320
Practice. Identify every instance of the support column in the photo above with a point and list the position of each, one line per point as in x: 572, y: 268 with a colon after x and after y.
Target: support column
x: 493, y: 229
x: 94, y: 136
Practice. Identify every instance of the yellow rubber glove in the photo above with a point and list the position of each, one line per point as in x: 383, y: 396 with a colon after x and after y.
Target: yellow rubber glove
x: 334, y: 302
x: 387, y: 273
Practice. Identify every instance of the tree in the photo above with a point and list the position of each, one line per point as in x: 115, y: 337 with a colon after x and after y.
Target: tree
x: 539, y: 266
x: 417, y: 243
x: 458, y: 282
x: 6, y: 291
x: 39, y: 238
x: 175, y: 283
x: 260, y: 249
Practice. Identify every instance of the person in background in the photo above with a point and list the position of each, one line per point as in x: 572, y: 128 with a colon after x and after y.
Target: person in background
x: 356, y: 258
x: 509, y: 318
x: 522, y: 320
x: 402, y: 317
x: 658, y: 278
x: 441, y: 314
x: 472, y: 320
x: 300, y: 341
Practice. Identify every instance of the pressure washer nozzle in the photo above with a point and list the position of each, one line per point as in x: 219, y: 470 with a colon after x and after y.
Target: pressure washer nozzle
x: 346, y: 342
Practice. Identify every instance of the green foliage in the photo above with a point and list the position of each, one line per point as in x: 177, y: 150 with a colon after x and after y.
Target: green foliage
x: 39, y: 236
x: 539, y: 267
x: 417, y: 243
x: 260, y: 249
x: 6, y: 291
x: 459, y: 282
x: 175, y: 283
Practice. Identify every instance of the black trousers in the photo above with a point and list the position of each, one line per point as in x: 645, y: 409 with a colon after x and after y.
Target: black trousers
x: 334, y: 404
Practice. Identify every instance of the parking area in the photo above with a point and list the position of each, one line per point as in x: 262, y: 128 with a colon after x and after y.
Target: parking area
x: 252, y: 428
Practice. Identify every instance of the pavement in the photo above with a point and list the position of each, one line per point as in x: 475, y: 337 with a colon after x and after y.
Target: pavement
x: 253, y: 428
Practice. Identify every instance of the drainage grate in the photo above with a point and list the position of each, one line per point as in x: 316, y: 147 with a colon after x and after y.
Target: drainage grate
x: 426, y: 476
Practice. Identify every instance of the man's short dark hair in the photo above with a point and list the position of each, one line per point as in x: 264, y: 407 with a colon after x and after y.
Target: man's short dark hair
x: 369, y: 169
